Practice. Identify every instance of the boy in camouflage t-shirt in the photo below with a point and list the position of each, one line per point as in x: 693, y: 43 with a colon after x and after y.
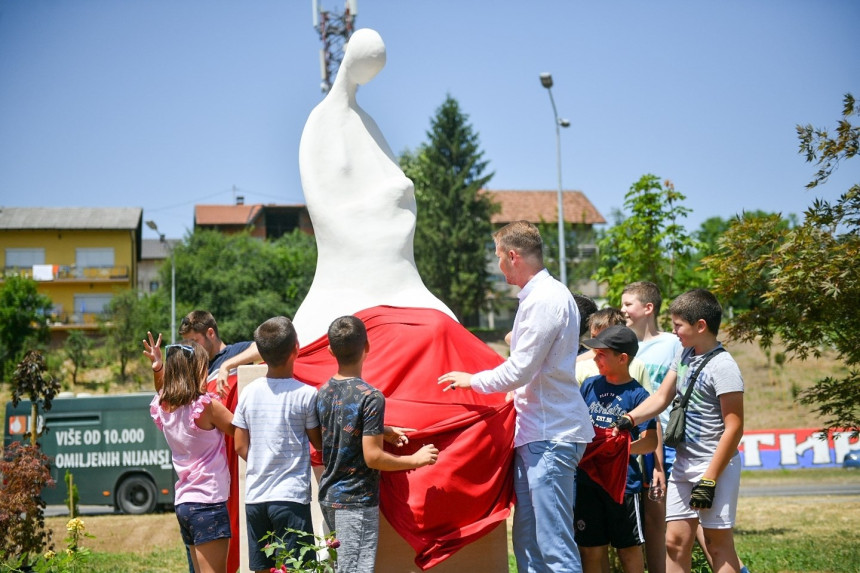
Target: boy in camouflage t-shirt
x: 351, y: 414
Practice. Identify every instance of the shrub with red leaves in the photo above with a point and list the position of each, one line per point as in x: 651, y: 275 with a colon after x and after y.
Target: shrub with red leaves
x: 25, y: 473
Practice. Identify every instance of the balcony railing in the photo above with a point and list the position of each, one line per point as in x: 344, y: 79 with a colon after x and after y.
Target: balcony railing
x: 71, y: 272
x: 60, y: 318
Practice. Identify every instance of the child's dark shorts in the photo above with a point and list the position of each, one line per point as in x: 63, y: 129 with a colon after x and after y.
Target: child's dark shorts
x: 276, y: 517
x: 599, y: 520
x: 201, y: 523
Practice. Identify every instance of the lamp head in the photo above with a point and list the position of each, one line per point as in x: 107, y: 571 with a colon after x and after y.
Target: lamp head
x: 564, y: 122
x: 546, y: 80
x: 152, y: 225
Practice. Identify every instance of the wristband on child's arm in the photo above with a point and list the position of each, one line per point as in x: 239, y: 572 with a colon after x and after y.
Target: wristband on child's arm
x: 621, y: 422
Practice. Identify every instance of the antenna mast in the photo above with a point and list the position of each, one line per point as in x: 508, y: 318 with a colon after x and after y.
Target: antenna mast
x: 334, y: 29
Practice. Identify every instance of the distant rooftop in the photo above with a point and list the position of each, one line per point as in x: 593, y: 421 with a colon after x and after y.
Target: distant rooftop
x: 50, y: 218
x: 157, y: 249
x: 536, y: 206
x: 226, y: 214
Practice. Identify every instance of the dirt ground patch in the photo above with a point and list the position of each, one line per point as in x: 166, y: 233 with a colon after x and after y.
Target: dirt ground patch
x: 771, y: 389
x: 123, y: 533
x: 815, y: 517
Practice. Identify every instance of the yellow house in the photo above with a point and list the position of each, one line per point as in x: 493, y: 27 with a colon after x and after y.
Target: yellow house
x: 80, y: 256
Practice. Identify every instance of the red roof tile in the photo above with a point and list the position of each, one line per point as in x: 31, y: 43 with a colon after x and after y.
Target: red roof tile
x: 537, y: 206
x: 225, y: 214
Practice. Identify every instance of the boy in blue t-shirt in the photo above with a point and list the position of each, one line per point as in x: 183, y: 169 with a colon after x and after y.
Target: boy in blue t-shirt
x: 599, y: 519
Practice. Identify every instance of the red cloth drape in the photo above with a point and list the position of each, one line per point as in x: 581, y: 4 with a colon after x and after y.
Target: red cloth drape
x: 230, y: 402
x: 605, y: 461
x: 440, y: 508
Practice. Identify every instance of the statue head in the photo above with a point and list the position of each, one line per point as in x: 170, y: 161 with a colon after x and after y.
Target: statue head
x: 364, y: 56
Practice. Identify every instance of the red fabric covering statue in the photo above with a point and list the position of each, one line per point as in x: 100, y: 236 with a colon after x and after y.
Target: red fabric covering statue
x: 605, y: 461
x: 233, y: 464
x: 440, y: 508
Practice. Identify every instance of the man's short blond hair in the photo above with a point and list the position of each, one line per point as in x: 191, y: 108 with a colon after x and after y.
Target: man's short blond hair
x: 522, y: 237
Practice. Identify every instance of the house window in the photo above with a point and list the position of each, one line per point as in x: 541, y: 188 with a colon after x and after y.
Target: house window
x: 102, y: 257
x: 92, y: 304
x: 25, y: 258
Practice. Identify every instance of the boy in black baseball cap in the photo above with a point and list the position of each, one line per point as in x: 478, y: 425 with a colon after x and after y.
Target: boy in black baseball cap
x: 602, y: 517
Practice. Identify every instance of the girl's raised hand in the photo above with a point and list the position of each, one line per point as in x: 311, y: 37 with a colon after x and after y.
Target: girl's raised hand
x: 152, y: 350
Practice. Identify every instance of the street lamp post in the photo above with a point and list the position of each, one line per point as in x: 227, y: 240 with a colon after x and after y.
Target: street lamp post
x: 154, y: 227
x: 546, y: 81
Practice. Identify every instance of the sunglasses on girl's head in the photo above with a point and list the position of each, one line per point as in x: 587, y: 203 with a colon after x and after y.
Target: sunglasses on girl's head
x: 184, y: 347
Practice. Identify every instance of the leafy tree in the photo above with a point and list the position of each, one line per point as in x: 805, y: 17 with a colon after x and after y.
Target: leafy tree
x: 241, y: 280
x: 129, y: 316
x: 32, y: 382
x: 804, y: 282
x: 23, y: 320
x: 708, y: 236
x: 453, y: 226
x: 77, y: 348
x: 712, y: 229
x: 580, y: 265
x: 651, y: 244
x: 708, y: 233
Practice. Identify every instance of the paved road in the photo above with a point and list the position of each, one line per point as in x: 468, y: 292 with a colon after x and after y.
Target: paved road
x: 58, y: 510
x: 807, y: 489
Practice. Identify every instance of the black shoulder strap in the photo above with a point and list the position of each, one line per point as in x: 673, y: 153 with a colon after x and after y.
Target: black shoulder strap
x: 689, y: 391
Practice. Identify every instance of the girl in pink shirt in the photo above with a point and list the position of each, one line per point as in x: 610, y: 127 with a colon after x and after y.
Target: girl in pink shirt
x: 193, y: 422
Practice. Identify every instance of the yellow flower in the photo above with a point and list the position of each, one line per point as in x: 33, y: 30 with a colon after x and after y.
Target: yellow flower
x: 75, y: 524
x: 50, y: 555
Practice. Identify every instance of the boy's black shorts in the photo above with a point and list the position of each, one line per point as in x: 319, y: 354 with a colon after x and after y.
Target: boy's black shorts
x: 599, y: 521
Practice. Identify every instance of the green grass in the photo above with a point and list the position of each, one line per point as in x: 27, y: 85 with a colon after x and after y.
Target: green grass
x: 156, y: 561
x: 771, y: 551
x: 815, y: 533
x: 809, y: 534
x: 772, y: 535
x: 789, y: 477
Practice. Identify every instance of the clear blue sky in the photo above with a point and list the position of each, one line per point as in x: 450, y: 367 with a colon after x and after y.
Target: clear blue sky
x: 164, y: 104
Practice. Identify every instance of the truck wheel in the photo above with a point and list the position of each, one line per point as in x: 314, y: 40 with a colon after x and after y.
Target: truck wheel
x: 136, y: 495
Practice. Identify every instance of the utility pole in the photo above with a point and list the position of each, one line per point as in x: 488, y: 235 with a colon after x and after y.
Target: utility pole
x: 334, y: 29
x: 154, y: 227
x: 546, y: 81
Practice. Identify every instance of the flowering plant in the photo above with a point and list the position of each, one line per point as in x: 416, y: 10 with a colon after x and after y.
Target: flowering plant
x: 322, y: 560
x: 71, y: 560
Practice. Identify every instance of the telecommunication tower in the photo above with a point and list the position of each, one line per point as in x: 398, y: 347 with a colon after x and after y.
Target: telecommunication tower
x: 334, y: 29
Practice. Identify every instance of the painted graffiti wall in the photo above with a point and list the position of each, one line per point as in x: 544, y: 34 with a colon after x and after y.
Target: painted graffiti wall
x: 795, y: 449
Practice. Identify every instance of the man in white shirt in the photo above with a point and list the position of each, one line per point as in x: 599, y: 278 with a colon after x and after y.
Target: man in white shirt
x: 553, y: 424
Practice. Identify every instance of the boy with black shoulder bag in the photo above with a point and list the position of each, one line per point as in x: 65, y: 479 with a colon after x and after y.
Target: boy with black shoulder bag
x: 703, y: 486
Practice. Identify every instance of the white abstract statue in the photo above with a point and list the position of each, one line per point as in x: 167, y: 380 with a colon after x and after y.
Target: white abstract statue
x: 361, y: 204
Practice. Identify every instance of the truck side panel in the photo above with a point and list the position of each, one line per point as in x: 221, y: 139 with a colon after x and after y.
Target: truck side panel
x: 101, y: 441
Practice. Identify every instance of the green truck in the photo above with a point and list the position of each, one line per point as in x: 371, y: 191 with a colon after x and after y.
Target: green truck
x: 115, y: 453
